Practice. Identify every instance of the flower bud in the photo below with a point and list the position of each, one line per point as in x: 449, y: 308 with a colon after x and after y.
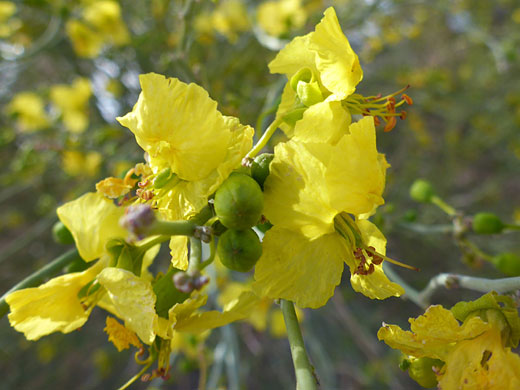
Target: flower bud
x: 260, y: 168
x: 487, y: 223
x: 239, y: 202
x: 422, y: 191
x: 61, y: 234
x: 239, y: 250
x: 508, y: 263
x: 422, y: 371
x: 137, y: 219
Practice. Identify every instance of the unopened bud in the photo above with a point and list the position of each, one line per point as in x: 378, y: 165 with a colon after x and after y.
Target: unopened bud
x: 422, y: 191
x: 137, y: 219
x: 487, y: 223
x: 508, y: 263
x: 183, y: 282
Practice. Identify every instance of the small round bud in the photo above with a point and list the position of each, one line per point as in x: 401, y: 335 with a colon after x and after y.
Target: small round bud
x: 487, y: 223
x: 508, y: 263
x: 239, y: 202
x: 61, y: 234
x: 422, y: 191
x: 260, y: 168
x: 422, y: 371
x: 137, y: 219
x: 239, y: 250
x: 183, y: 282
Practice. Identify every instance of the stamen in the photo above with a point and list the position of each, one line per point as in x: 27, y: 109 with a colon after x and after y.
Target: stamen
x: 372, y: 251
x: 382, y: 108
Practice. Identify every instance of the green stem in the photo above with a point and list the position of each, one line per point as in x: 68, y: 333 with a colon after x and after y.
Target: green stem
x: 195, y: 256
x: 512, y: 227
x: 303, y: 369
x: 150, y: 244
x: 443, y: 206
x: 265, y: 138
x: 137, y: 376
x: 35, y: 279
x: 172, y: 228
x: 262, y: 116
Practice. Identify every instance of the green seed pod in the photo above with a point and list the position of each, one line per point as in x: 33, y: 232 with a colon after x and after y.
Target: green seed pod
x: 239, y: 250
x: 260, y: 168
x: 421, y: 371
x: 239, y: 202
x: 487, y: 223
x: 422, y: 191
x: 61, y: 234
x: 508, y: 263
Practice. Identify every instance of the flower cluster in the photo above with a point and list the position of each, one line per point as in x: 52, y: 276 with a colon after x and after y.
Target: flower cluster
x: 200, y: 188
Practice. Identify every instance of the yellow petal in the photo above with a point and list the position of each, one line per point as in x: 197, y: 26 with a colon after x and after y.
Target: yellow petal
x: 30, y: 111
x: 375, y: 285
x: 52, y: 307
x: 93, y: 220
x: 179, y: 126
x: 293, y: 57
x: 133, y: 299
x: 298, y: 269
x: 179, y: 252
x: 433, y: 334
x: 324, y: 122
x: 356, y: 173
x: 336, y: 62
x: 187, y: 198
x: 295, y: 195
x: 235, y: 310
x: 482, y: 363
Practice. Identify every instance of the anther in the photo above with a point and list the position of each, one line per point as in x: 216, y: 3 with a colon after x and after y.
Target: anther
x: 407, y: 98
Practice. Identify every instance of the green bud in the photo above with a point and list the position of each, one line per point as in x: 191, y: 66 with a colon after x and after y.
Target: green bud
x: 260, y: 168
x: 304, y: 74
x: 421, y: 371
x: 422, y: 191
x: 61, y: 234
x: 309, y: 93
x: 239, y: 202
x: 508, y: 263
x: 264, y: 227
x: 239, y: 250
x: 487, y: 223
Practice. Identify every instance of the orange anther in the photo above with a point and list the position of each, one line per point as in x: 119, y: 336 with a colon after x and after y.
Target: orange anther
x: 390, y: 124
x: 407, y: 98
x: 403, y: 115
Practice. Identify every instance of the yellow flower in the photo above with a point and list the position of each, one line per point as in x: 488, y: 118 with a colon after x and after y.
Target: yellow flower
x: 101, y: 25
x: 311, y: 191
x: 474, y: 352
x: 76, y: 163
x: 280, y: 16
x: 230, y: 18
x: 7, y: 23
x: 72, y: 102
x: 29, y: 110
x: 85, y: 41
x: 56, y: 305
x: 105, y: 17
x: 187, y: 138
x: 321, y: 62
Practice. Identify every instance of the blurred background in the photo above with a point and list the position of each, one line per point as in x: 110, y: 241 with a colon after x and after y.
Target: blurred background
x: 69, y: 68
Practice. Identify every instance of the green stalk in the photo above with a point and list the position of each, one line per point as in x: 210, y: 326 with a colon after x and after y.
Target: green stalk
x: 174, y: 228
x: 303, y: 369
x: 265, y: 138
x: 35, y: 279
x: 195, y: 256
